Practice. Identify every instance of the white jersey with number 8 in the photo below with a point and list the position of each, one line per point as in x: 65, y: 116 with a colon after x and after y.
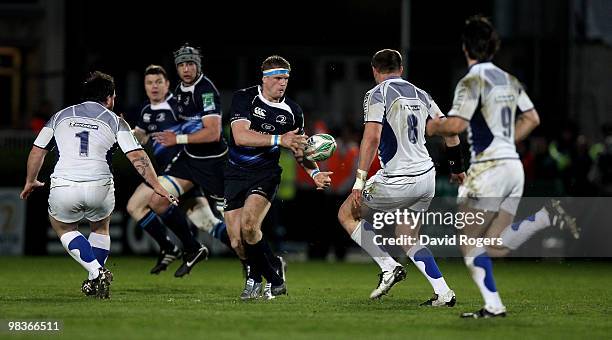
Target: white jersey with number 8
x: 403, y: 110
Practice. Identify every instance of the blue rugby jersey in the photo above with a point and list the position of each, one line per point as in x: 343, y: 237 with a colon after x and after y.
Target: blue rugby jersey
x: 264, y: 117
x: 161, y: 117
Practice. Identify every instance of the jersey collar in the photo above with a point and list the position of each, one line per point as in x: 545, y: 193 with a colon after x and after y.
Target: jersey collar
x: 162, y: 105
x: 263, y: 99
x: 478, y: 63
x: 192, y: 86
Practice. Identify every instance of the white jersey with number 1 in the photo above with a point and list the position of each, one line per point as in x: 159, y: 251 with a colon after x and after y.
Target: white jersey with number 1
x: 84, y: 135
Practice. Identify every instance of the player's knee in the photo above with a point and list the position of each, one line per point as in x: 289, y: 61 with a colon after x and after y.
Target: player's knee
x: 158, y: 203
x: 133, y: 208
x: 343, y: 215
x: 248, y: 223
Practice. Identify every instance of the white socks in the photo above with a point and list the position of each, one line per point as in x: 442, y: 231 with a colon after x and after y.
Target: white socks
x: 517, y: 233
x: 79, y: 248
x: 423, y: 259
x: 100, y: 244
x: 481, y: 268
x: 202, y: 216
x: 364, y: 237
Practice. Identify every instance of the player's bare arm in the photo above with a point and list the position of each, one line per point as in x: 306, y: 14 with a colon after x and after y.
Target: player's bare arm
x: 322, y: 179
x: 35, y: 162
x: 525, y: 123
x: 211, y: 132
x: 141, y: 135
x: 246, y: 137
x: 142, y: 164
x: 446, y: 127
x: 367, y: 152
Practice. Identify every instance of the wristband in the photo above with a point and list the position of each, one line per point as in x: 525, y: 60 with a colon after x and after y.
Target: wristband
x: 182, y: 139
x: 359, y: 184
x: 275, y: 140
x: 314, y: 173
x: 455, y: 160
x: 360, y: 180
x: 362, y: 174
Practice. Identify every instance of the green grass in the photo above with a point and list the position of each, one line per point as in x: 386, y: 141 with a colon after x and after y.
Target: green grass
x: 327, y: 301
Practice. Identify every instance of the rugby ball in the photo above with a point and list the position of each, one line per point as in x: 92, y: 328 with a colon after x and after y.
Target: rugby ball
x: 319, y: 147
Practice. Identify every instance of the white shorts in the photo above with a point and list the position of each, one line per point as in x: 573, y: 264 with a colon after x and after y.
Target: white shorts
x: 70, y: 202
x: 493, y: 185
x: 392, y: 193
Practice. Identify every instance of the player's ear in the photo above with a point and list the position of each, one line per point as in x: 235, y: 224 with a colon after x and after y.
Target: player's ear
x: 110, y: 102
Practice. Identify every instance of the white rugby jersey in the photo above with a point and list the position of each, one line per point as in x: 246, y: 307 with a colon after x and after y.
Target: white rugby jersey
x: 84, y: 135
x: 403, y: 110
x: 488, y: 98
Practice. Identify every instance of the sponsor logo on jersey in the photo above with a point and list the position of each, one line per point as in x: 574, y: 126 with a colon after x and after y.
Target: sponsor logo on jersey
x: 83, y: 125
x: 208, y: 101
x: 268, y: 127
x: 146, y: 117
x: 504, y: 98
x: 282, y: 120
x: 366, y: 103
x: 259, y: 112
x: 408, y: 107
x: 152, y: 127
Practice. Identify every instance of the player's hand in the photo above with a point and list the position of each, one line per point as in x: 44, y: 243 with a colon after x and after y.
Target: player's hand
x: 165, y: 138
x: 299, y: 156
x: 457, y: 178
x: 29, y: 187
x: 291, y: 140
x: 356, y: 197
x: 161, y: 191
x: 323, y: 180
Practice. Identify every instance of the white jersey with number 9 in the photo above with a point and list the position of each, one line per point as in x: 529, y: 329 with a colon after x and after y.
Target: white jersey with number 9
x: 489, y: 98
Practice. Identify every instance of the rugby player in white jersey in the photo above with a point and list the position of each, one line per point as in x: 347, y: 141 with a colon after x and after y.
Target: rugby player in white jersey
x: 395, y: 112
x: 487, y: 102
x: 82, y: 187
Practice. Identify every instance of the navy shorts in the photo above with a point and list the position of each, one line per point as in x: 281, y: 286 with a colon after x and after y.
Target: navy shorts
x: 240, y: 183
x: 206, y: 173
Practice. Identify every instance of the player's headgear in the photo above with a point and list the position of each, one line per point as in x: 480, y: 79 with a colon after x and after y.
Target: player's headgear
x: 274, y: 65
x: 188, y: 53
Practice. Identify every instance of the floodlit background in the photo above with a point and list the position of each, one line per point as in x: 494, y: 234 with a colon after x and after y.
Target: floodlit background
x: 560, y: 50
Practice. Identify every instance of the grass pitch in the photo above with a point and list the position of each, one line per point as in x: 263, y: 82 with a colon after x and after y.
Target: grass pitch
x: 326, y: 301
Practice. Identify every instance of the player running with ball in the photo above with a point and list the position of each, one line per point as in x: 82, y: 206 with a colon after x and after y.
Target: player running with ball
x: 262, y: 121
